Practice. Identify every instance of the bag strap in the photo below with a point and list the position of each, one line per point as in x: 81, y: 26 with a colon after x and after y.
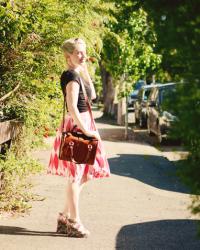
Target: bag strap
x: 87, y: 102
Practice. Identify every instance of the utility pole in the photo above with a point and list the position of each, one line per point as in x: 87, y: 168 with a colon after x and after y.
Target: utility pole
x: 126, y: 119
x: 126, y: 114
x: 153, y: 79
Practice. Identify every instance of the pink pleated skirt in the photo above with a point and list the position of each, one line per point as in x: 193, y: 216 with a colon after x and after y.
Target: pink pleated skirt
x: 78, y: 172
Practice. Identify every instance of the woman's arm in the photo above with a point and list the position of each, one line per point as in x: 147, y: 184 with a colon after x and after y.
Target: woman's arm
x: 72, y: 90
x: 90, y: 83
x: 87, y: 78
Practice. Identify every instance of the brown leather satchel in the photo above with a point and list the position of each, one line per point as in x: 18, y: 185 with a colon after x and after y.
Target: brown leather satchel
x: 75, y: 146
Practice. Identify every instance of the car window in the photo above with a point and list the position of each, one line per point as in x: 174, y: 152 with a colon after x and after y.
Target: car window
x: 165, y: 93
x: 146, y: 94
x: 139, y: 85
x: 152, y: 94
x: 140, y: 94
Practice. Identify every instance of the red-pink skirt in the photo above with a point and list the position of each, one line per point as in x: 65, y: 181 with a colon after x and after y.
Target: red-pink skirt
x: 78, y: 172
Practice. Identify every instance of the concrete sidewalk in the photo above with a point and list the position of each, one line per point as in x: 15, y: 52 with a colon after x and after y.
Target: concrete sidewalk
x: 141, y: 206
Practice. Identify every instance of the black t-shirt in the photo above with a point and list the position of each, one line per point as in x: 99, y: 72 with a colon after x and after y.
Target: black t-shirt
x: 72, y: 75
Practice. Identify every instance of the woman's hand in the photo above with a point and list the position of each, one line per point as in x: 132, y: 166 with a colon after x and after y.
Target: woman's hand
x: 93, y: 134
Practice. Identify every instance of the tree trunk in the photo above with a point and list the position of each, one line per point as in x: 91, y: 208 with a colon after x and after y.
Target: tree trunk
x: 108, y: 90
x: 121, y: 111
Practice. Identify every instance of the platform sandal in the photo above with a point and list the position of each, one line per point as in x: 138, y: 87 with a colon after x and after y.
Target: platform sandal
x: 76, y: 229
x: 62, y: 223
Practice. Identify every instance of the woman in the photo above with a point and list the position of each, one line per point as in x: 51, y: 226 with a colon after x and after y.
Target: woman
x: 68, y: 220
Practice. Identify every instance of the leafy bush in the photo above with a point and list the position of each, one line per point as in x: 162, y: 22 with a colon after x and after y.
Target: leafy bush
x: 30, y: 65
x: 14, y: 185
x: 177, y: 29
x: 185, y: 103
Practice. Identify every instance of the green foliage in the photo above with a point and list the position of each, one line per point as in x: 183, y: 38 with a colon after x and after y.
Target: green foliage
x: 187, y: 109
x: 177, y: 28
x: 13, y: 190
x: 31, y: 34
x: 129, y: 44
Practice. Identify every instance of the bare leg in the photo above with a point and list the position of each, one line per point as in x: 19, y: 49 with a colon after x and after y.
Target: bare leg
x: 73, y: 199
x: 72, y: 202
x: 81, y: 186
x: 66, y: 210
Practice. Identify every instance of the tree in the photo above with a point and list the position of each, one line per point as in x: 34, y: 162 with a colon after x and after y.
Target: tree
x: 177, y: 25
x: 31, y: 61
x: 128, y: 47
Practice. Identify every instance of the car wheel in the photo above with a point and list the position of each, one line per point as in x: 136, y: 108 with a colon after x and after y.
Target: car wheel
x: 159, y: 134
x: 148, y: 127
x: 142, y: 122
x: 136, y: 120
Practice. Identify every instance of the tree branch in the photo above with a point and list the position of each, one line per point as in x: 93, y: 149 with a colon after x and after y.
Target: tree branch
x: 3, y: 98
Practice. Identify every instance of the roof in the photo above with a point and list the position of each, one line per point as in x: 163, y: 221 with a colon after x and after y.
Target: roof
x: 149, y: 86
x: 166, y: 84
x: 159, y: 85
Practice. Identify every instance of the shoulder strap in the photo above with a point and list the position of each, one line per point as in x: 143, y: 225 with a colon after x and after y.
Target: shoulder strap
x: 87, y: 102
x: 64, y: 106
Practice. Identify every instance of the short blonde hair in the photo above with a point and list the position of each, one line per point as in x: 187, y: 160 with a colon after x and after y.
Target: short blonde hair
x: 70, y: 44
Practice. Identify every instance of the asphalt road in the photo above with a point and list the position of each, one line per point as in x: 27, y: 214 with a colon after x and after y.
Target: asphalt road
x: 141, y: 206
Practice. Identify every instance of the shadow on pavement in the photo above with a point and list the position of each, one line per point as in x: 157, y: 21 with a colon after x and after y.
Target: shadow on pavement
x: 23, y: 231
x: 104, y: 118
x: 153, y: 170
x: 116, y: 134
x: 162, y: 234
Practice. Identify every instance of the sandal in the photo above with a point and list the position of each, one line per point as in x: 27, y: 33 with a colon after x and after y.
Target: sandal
x: 76, y: 229
x: 85, y: 229
x: 62, y: 223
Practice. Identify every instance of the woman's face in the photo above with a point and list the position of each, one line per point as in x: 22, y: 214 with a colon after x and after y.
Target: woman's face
x: 78, y: 56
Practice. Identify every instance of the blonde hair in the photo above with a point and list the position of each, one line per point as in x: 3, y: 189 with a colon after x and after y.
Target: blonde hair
x: 70, y: 44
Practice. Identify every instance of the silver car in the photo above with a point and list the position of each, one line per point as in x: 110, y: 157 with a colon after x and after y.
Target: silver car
x: 158, y: 120
x: 140, y: 105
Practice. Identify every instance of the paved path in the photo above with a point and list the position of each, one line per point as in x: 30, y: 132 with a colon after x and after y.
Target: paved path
x: 142, y: 206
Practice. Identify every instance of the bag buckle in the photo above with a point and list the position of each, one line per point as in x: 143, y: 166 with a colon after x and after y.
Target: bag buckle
x: 71, y: 143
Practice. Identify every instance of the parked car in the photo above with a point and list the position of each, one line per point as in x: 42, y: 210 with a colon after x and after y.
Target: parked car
x: 140, y: 105
x: 158, y: 120
x: 133, y: 95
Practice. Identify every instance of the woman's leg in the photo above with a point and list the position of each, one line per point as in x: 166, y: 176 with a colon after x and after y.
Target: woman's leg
x: 81, y: 186
x: 75, y: 191
x: 66, y: 210
x: 72, y: 200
